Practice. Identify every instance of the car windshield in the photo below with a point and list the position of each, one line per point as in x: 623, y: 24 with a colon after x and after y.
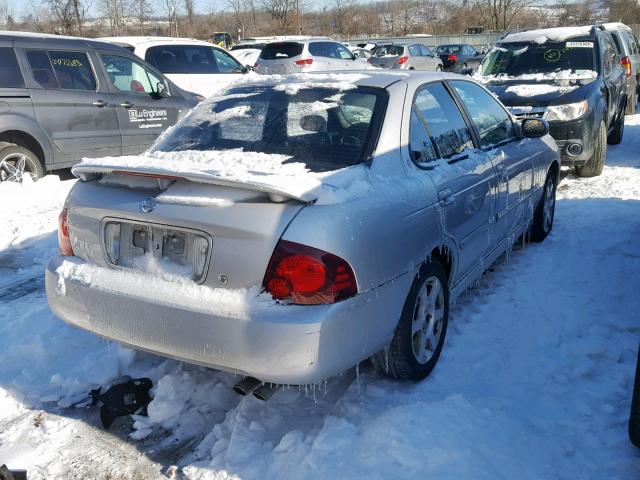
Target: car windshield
x: 447, y: 49
x: 387, y: 51
x: 188, y: 59
x: 516, y: 59
x: 324, y: 128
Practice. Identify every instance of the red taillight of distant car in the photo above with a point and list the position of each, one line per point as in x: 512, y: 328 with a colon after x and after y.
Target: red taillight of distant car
x: 626, y: 63
x: 452, y: 58
x: 304, y: 62
x: 308, y: 276
x: 402, y: 60
x: 63, y: 235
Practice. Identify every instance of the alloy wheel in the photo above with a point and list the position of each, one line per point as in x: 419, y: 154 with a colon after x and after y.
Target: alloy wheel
x: 428, y: 318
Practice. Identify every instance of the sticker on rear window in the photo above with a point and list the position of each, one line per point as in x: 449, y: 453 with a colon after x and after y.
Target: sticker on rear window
x: 579, y: 44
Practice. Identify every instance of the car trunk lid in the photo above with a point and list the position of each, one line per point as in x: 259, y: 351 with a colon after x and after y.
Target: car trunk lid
x: 184, y: 230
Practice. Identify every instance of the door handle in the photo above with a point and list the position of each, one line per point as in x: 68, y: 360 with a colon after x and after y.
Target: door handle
x: 126, y: 104
x: 100, y: 103
x: 502, y: 172
x: 446, y: 197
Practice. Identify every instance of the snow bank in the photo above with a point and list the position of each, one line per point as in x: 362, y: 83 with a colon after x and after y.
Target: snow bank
x: 250, y: 170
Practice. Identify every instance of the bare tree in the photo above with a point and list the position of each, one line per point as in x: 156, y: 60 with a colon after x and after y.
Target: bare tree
x: 342, y: 9
x: 142, y: 10
x: 61, y: 16
x: 189, y: 10
x: 282, y: 11
x: 171, y: 10
x: 499, y: 14
x: 114, y: 11
x: 7, y: 14
x: 243, y: 13
x: 78, y: 11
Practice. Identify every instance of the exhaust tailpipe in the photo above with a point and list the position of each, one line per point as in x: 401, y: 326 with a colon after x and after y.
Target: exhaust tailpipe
x: 265, y: 391
x: 246, y: 386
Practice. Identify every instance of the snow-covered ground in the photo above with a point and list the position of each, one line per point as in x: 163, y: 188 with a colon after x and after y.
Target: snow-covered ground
x: 534, y: 382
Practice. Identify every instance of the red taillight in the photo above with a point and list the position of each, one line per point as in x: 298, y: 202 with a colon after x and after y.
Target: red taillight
x: 626, y: 63
x: 308, y: 276
x: 402, y: 60
x: 63, y: 235
x: 306, y: 61
x: 452, y: 58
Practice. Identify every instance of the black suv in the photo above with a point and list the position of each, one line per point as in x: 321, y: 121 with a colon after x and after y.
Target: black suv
x: 573, y: 78
x: 63, y: 99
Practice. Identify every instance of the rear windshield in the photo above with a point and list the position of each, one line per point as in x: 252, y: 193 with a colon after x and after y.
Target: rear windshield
x: 275, y: 51
x: 387, y: 51
x: 324, y: 128
x: 10, y: 75
x: 515, y: 59
x: 188, y: 59
x: 447, y: 49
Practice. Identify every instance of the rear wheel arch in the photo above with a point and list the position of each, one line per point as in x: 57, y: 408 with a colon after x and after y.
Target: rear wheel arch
x: 25, y: 140
x: 445, y: 257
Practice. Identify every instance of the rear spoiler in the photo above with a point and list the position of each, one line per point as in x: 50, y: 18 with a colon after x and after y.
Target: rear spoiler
x: 276, y: 193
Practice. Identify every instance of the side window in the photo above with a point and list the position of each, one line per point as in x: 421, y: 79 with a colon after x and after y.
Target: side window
x: 425, y: 51
x: 226, y: 63
x: 490, y: 118
x: 10, y: 75
x: 73, y: 71
x: 448, y: 129
x: 317, y: 49
x: 472, y: 51
x: 420, y: 145
x: 128, y: 76
x: 414, y: 51
x: 66, y: 70
x: 41, y: 69
x: 343, y: 52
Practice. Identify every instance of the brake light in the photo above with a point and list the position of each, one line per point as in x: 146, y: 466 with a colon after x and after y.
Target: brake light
x: 304, y: 62
x: 402, y: 60
x: 452, y: 58
x: 626, y: 63
x: 308, y: 276
x: 63, y: 235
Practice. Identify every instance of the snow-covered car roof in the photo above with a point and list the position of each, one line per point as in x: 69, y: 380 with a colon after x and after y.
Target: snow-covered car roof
x: 615, y: 26
x: 547, y: 34
x: 153, y: 41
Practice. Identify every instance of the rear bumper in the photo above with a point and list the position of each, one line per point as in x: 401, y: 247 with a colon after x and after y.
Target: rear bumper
x: 274, y: 343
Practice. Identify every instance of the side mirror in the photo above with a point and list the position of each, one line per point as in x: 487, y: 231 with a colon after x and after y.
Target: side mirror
x: 534, y: 128
x: 161, y: 90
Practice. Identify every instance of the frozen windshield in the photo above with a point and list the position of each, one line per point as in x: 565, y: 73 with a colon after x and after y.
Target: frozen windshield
x: 516, y: 59
x: 387, y: 51
x: 324, y: 128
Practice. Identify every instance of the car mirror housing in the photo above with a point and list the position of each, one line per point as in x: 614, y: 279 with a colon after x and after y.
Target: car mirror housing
x: 534, y: 127
x: 161, y: 90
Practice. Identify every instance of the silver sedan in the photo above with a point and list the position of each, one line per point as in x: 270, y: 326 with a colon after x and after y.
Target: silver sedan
x: 295, y: 226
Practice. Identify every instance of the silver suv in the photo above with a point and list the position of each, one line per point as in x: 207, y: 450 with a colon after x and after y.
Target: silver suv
x: 629, y: 51
x: 63, y: 99
x: 309, y: 55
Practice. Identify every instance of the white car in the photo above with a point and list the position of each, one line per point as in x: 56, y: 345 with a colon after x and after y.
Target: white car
x: 196, y: 66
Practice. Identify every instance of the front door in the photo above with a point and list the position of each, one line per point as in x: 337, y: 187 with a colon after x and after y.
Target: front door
x: 512, y: 157
x: 441, y: 144
x: 76, y: 112
x: 143, y: 114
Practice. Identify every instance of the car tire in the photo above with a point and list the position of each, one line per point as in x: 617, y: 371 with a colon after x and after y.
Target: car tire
x: 438, y: 68
x: 15, y: 162
x: 615, y: 137
x: 420, y: 333
x: 542, y: 222
x: 595, y: 164
x: 634, y: 417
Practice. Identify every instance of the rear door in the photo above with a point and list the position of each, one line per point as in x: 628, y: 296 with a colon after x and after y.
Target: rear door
x: 72, y: 104
x: 441, y: 144
x: 142, y: 113
x: 512, y: 157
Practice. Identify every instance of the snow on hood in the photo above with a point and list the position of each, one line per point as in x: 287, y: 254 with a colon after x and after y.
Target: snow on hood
x: 533, y: 90
x: 559, y: 76
x: 250, y: 170
x: 547, y: 35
